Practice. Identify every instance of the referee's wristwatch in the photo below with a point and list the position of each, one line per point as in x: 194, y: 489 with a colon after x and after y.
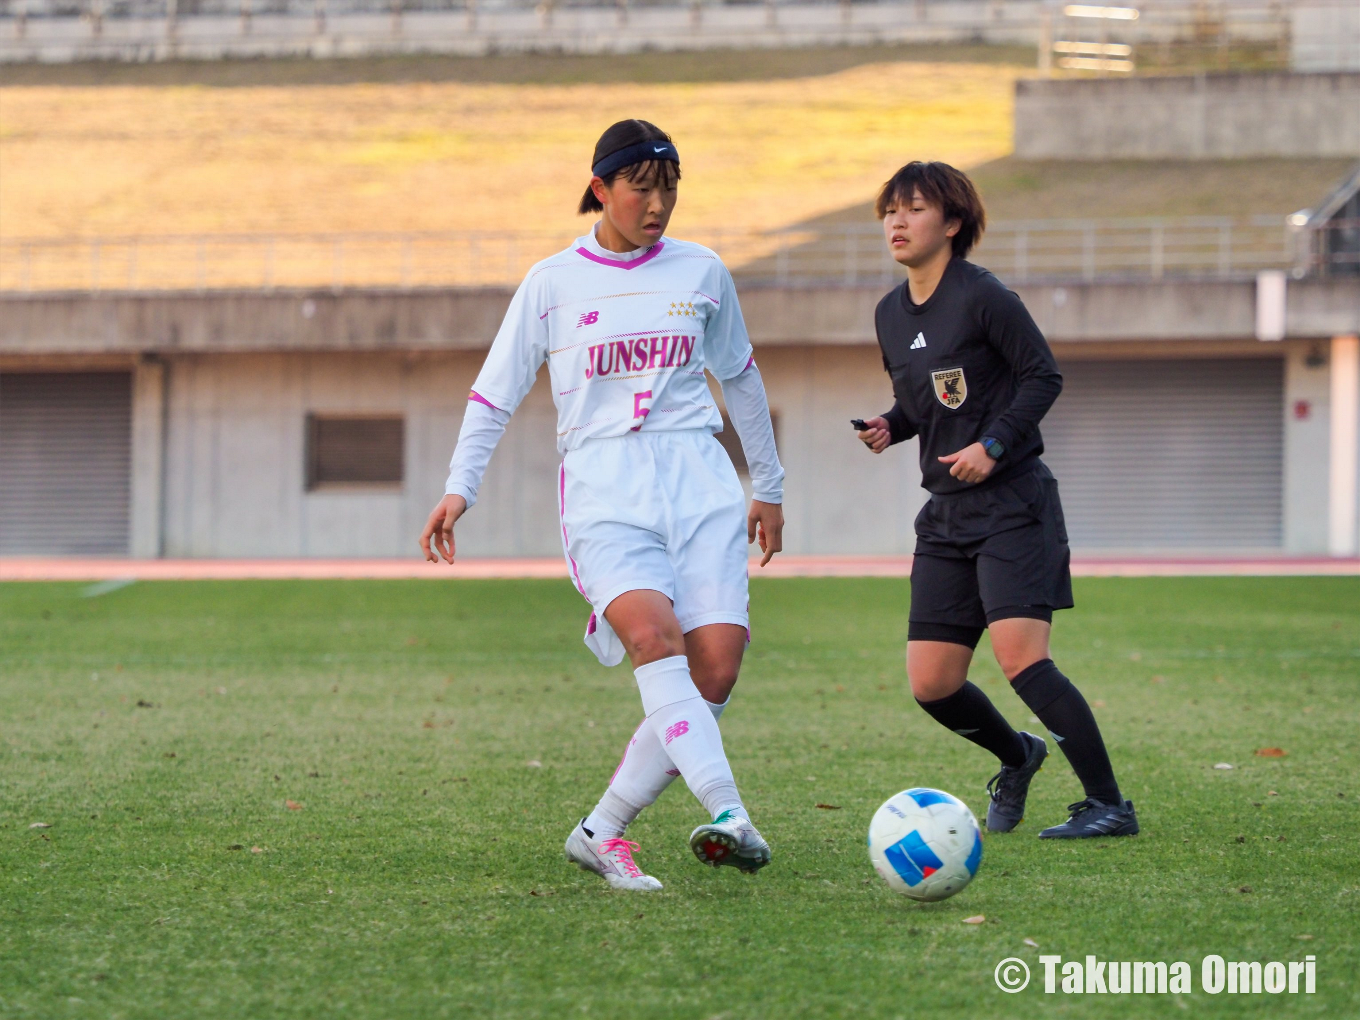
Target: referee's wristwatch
x: 994, y: 447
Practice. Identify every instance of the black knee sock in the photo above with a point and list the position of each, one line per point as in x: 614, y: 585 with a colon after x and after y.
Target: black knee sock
x: 1061, y: 708
x: 970, y: 713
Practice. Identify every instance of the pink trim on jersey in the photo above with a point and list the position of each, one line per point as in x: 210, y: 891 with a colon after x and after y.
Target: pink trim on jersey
x: 566, y: 545
x: 749, y: 362
x: 473, y: 395
x: 652, y: 253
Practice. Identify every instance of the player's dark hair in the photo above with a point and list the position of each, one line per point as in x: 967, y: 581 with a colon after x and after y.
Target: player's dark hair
x: 940, y: 185
x: 620, y: 136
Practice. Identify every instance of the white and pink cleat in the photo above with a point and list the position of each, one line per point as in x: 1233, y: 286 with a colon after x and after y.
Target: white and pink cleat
x: 611, y: 859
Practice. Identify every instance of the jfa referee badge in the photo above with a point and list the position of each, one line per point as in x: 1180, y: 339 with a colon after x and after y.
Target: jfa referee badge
x: 951, y: 388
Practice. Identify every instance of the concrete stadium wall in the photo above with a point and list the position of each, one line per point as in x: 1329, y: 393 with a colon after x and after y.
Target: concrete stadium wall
x: 219, y: 450
x: 223, y: 384
x: 451, y: 319
x: 234, y: 471
x: 1324, y: 36
x: 1217, y: 116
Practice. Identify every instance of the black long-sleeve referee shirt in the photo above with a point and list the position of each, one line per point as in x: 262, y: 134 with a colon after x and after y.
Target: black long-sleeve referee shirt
x: 969, y: 362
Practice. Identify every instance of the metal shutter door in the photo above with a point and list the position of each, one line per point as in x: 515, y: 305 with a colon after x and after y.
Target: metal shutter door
x: 65, y: 462
x: 1164, y: 454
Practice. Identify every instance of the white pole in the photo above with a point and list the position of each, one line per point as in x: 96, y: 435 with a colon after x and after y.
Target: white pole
x: 1345, y: 447
x: 1270, y: 304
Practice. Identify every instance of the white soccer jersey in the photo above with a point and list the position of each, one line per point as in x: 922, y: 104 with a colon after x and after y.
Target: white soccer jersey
x: 626, y: 337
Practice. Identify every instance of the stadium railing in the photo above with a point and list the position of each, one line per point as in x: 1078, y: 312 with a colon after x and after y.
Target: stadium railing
x: 815, y: 255
x: 1164, y: 35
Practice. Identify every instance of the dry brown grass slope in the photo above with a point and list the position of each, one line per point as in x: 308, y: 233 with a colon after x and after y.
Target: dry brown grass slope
x: 124, y: 159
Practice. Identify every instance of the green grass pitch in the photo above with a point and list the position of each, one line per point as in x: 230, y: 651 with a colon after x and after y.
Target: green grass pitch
x: 441, y: 738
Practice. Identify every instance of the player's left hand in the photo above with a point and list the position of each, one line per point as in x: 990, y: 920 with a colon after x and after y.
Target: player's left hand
x: 971, y: 464
x: 765, y: 523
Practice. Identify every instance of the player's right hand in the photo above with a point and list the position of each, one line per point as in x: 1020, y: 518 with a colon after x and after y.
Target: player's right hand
x: 876, y: 437
x: 439, y: 528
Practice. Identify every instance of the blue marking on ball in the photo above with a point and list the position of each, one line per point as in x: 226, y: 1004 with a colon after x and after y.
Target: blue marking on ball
x: 925, y: 798
x: 912, y: 859
x: 974, y: 855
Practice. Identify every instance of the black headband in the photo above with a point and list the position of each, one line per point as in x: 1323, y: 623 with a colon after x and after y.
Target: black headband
x: 639, y: 153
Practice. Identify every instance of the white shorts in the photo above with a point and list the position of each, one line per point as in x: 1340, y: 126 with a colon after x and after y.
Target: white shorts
x: 655, y: 510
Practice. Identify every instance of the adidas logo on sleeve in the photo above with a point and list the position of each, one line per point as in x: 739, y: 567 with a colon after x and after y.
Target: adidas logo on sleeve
x: 919, y: 342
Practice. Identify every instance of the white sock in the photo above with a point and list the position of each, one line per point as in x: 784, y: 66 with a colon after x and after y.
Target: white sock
x: 643, y: 774
x: 689, y: 734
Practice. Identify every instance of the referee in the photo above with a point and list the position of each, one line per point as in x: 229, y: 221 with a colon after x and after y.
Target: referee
x: 973, y: 377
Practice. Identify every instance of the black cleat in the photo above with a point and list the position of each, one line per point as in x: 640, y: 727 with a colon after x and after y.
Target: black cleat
x: 1008, y: 787
x: 1092, y: 818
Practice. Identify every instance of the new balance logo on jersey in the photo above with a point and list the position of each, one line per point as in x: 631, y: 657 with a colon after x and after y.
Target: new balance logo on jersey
x: 677, y: 730
x: 919, y: 342
x: 588, y: 319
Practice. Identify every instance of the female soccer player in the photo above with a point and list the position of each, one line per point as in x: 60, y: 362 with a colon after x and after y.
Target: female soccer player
x: 650, y: 505
x: 973, y: 376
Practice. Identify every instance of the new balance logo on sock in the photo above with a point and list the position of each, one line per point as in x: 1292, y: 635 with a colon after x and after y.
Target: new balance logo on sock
x: 919, y: 342
x: 964, y: 733
x: 1055, y: 736
x: 677, y: 730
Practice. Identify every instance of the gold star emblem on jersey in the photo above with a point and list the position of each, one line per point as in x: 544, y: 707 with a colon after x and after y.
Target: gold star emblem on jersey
x: 681, y: 308
x: 951, y: 388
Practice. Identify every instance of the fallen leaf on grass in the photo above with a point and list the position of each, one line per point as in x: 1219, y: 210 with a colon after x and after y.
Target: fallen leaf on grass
x: 829, y: 807
x: 1157, y: 680
x: 292, y: 805
x: 975, y: 919
x: 1031, y: 942
x: 1271, y: 793
x: 1303, y: 938
x: 1223, y: 765
x: 1271, y: 752
x: 1098, y: 703
x: 257, y: 849
x: 534, y: 763
x: 41, y: 825
x: 427, y: 724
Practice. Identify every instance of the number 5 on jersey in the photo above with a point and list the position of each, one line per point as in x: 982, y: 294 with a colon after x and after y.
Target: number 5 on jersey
x: 638, y: 410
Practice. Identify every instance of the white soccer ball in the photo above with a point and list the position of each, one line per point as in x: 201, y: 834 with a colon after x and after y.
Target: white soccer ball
x: 925, y: 844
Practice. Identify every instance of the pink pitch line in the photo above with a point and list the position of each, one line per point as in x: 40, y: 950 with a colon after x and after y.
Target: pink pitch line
x: 72, y: 569
x: 1082, y: 566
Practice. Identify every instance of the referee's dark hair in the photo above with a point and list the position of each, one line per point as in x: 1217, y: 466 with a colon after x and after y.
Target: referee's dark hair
x: 618, y: 136
x: 942, y: 185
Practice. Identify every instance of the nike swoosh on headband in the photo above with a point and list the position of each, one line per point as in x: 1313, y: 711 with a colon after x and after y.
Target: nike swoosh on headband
x: 637, y: 153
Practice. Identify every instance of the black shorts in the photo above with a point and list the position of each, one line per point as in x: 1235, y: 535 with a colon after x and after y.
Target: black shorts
x: 989, y: 554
